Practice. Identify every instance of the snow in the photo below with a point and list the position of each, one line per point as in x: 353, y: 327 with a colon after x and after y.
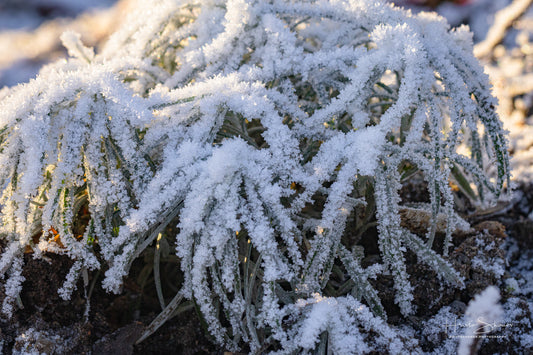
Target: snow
x: 484, y: 311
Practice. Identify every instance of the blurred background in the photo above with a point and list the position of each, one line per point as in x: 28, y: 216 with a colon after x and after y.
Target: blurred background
x: 30, y: 30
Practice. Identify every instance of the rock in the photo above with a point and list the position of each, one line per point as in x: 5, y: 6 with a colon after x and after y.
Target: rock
x: 121, y: 341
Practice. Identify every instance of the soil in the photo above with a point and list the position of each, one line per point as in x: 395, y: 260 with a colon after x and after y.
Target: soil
x: 113, y: 324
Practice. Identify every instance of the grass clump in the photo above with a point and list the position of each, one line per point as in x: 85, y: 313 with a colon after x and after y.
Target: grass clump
x: 260, y: 130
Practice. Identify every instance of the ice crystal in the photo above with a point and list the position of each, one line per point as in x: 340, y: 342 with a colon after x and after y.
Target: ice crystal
x: 261, y: 128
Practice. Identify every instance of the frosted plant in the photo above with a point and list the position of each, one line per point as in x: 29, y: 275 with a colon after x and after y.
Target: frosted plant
x: 263, y: 129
